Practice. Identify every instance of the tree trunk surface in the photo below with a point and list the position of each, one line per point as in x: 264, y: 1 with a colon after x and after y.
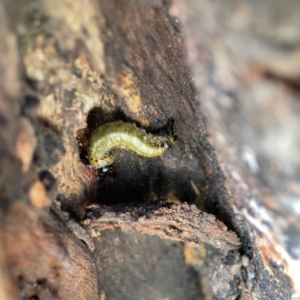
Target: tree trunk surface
x: 216, y: 216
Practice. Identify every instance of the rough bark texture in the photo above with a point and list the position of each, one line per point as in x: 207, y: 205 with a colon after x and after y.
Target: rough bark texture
x: 176, y: 222
x: 68, y: 67
x: 244, y: 65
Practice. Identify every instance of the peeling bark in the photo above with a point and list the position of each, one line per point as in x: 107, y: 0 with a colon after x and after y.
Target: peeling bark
x: 175, y: 222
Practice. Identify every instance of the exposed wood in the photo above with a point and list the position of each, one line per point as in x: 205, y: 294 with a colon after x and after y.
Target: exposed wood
x: 176, y: 222
x: 69, y: 67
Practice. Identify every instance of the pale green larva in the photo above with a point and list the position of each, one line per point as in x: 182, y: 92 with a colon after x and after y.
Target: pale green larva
x: 124, y: 135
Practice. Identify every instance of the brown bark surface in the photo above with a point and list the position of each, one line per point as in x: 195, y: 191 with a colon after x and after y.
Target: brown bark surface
x: 67, y: 68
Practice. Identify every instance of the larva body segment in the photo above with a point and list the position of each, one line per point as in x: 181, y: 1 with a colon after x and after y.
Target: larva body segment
x: 124, y: 135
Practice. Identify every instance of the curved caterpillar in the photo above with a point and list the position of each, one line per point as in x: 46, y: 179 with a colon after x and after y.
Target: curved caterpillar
x: 124, y: 135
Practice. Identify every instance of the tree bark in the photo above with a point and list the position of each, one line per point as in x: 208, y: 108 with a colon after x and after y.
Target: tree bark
x: 67, y: 68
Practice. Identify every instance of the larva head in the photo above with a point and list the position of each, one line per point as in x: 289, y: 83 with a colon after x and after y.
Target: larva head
x: 101, y: 162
